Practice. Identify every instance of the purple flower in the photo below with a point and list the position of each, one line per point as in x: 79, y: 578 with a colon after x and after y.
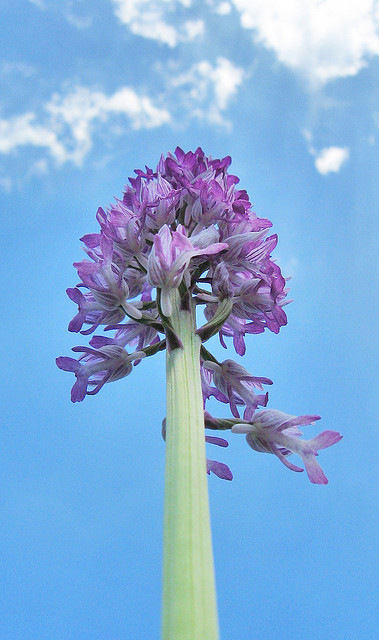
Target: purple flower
x: 237, y: 328
x: 90, y: 311
x: 272, y: 431
x: 131, y: 333
x: 124, y: 224
x: 256, y: 286
x: 96, y: 367
x: 238, y: 385
x: 108, y: 279
x: 161, y: 202
x: 261, y: 299
x: 169, y: 259
x: 207, y: 388
x: 250, y: 250
x: 103, y: 276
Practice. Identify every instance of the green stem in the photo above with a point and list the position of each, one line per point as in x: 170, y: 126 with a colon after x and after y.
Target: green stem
x: 189, y: 592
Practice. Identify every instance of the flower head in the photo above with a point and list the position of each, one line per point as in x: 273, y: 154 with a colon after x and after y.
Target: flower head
x: 184, y: 223
x: 185, y: 226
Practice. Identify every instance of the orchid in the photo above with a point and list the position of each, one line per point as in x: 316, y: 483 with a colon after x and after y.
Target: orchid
x: 276, y: 432
x: 183, y: 237
x: 96, y: 367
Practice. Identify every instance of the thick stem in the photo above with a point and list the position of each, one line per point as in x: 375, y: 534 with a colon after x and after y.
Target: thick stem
x: 189, y: 593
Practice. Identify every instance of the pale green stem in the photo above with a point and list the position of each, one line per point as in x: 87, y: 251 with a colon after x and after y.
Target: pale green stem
x: 189, y: 592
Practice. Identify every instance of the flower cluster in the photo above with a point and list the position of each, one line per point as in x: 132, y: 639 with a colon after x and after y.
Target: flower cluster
x: 185, y: 226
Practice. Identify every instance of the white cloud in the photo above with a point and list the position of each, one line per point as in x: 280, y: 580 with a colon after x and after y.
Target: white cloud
x: 226, y: 79
x: 221, y: 7
x: 66, y: 126
x: 208, y: 88
x: 321, y: 39
x: 331, y: 159
x: 66, y: 130
x: 24, y: 130
x: 224, y: 8
x: 151, y: 19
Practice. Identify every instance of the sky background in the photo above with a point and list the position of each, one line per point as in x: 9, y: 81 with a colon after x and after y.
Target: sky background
x: 91, y: 90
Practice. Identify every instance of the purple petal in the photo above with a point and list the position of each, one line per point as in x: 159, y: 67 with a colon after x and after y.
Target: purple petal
x: 313, y: 469
x: 219, y: 441
x: 100, y: 341
x: 219, y: 469
x: 325, y: 439
x: 67, y: 364
x: 298, y: 420
x: 75, y: 295
x: 78, y: 391
x: 284, y: 460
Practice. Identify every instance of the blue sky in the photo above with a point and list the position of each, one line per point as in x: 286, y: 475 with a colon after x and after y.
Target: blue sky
x: 89, y: 92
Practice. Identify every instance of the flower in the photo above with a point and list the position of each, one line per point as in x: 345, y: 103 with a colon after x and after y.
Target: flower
x: 169, y: 258
x: 273, y: 431
x: 237, y: 384
x: 90, y: 311
x: 131, y: 333
x: 161, y: 202
x: 109, y: 280
x: 207, y: 388
x: 96, y: 367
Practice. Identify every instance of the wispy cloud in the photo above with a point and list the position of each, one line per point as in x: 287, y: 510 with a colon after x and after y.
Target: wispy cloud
x: 71, y: 11
x: 67, y: 125
x: 38, y: 3
x: 65, y: 129
x: 223, y: 8
x: 208, y: 88
x: 24, y: 130
x: 161, y: 20
x: 9, y: 68
x: 322, y: 40
x: 80, y: 22
x: 6, y: 184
